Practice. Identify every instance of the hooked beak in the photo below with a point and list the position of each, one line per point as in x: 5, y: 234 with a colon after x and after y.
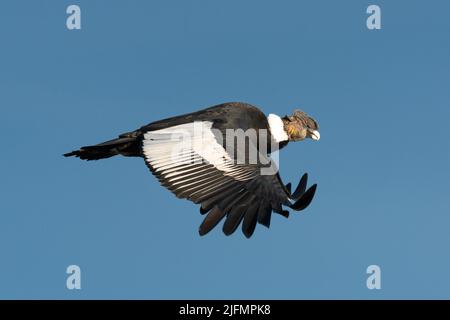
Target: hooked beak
x: 315, y: 135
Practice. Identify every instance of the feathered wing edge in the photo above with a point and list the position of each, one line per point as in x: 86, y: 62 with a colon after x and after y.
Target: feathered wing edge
x: 247, y: 208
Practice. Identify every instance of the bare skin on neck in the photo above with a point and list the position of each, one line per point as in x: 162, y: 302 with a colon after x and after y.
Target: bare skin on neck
x: 300, y: 126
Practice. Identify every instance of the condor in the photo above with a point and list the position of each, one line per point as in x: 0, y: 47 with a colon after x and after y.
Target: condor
x: 191, y: 156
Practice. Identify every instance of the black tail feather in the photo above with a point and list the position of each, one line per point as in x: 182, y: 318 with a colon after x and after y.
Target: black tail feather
x: 124, y: 145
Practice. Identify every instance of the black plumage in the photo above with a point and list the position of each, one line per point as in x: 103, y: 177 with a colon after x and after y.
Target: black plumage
x: 237, y: 192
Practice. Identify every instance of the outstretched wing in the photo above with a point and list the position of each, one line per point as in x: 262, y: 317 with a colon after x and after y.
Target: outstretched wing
x: 189, y: 159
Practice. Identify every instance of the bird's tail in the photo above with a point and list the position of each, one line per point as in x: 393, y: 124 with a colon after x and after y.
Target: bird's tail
x: 127, y: 144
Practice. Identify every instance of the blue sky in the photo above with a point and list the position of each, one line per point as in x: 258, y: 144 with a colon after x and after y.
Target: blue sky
x: 381, y: 98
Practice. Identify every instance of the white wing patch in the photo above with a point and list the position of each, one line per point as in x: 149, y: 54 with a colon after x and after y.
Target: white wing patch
x: 183, y: 155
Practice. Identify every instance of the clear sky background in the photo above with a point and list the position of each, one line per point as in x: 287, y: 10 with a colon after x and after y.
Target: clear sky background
x: 382, y: 99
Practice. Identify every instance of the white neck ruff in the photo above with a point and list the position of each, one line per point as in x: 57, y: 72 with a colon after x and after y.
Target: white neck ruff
x: 277, y: 128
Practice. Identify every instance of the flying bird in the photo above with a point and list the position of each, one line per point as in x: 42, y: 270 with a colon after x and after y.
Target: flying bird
x: 236, y: 178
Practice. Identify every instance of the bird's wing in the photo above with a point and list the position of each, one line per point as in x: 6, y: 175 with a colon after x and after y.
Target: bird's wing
x: 188, y: 159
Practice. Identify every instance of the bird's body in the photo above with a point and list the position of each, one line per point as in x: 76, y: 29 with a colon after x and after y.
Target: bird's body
x: 219, y: 157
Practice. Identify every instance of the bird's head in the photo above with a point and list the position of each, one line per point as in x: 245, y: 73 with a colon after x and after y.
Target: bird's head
x: 299, y: 126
